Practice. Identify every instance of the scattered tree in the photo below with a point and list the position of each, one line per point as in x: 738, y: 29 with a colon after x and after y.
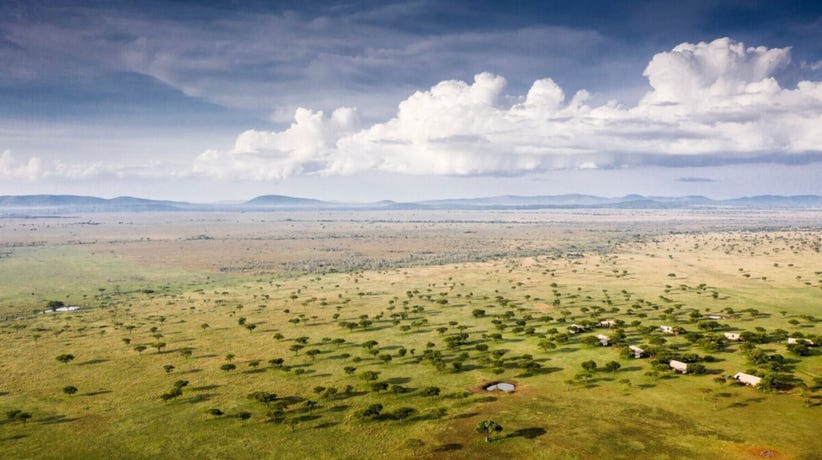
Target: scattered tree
x: 487, y: 428
x: 612, y: 366
x: 69, y: 389
x: 589, y: 365
x: 65, y: 358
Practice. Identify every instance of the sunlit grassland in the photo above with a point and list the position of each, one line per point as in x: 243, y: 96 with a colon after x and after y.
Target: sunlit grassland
x: 73, y: 275
x: 118, y: 412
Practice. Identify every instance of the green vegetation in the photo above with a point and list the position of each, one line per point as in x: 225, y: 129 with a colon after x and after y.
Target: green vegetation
x: 487, y: 428
x: 393, y: 362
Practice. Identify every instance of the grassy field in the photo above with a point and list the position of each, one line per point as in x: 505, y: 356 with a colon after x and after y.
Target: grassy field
x: 319, y: 324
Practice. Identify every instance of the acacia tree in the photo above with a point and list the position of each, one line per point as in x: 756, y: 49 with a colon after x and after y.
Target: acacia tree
x: 65, y: 358
x: 547, y: 345
x: 263, y: 397
x: 310, y: 405
x: 612, y: 366
x: 313, y: 353
x: 69, y: 389
x: 296, y: 348
x: 487, y: 428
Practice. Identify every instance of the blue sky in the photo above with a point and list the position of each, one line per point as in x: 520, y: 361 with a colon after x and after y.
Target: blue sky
x: 410, y: 100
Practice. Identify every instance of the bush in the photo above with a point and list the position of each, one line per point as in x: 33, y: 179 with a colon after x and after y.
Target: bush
x: 430, y: 391
x: 403, y: 413
x: 775, y: 381
x: 696, y: 368
x: 372, y: 411
x: 799, y: 349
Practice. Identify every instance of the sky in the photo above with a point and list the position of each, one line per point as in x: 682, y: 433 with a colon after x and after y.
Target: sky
x: 373, y: 100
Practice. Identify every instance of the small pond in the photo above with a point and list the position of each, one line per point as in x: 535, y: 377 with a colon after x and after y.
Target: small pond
x: 501, y: 386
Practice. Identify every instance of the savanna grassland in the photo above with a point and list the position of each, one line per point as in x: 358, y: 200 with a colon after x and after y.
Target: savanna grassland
x: 373, y: 335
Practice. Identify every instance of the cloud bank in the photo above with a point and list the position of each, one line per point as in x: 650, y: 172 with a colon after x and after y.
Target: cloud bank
x: 709, y: 103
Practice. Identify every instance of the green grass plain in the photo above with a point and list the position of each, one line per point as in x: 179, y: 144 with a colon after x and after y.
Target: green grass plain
x: 118, y: 413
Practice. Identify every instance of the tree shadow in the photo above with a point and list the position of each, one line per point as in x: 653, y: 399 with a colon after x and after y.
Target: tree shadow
x: 567, y: 349
x: 55, y: 419
x: 527, y: 433
x: 326, y: 425
x: 465, y: 415
x: 338, y: 408
x: 289, y: 400
x: 470, y: 367
x: 448, y: 447
x: 547, y: 370
x: 342, y: 396
x: 15, y: 437
x: 95, y: 393
x: 201, y: 398
x: 205, y: 387
x: 92, y: 362
x: 397, y: 380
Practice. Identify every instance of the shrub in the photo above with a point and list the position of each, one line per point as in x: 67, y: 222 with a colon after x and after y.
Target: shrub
x: 430, y: 391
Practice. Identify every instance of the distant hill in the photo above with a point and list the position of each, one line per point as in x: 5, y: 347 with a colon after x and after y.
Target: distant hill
x: 75, y: 203
x: 56, y: 204
x: 49, y: 200
x: 286, y: 201
x: 769, y: 201
x: 512, y: 201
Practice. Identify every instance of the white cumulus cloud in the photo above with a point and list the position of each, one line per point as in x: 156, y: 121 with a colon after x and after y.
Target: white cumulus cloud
x: 305, y: 147
x: 707, y: 99
x: 13, y: 169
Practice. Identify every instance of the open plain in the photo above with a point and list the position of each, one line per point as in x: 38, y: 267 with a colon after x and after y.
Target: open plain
x: 373, y: 335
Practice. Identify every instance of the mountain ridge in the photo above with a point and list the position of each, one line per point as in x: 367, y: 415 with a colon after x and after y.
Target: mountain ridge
x: 84, y: 203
